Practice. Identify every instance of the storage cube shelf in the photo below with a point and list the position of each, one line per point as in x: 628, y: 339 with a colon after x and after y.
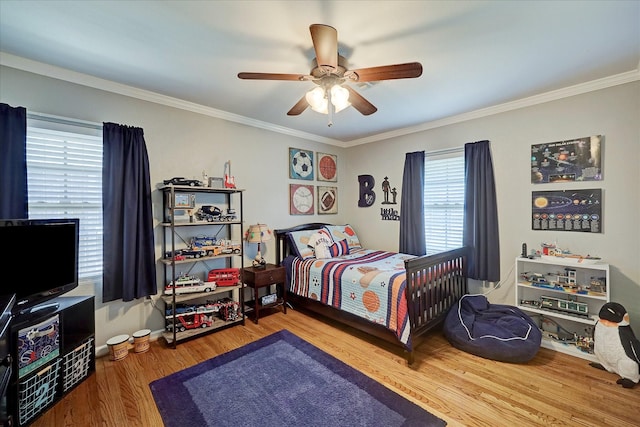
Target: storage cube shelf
x: 565, y: 297
x: 61, y: 348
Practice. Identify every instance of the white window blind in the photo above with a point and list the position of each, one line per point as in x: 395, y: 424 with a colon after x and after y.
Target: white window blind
x: 444, y: 200
x: 64, y: 175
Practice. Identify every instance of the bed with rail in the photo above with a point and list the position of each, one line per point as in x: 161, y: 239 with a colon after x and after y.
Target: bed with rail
x: 392, y: 296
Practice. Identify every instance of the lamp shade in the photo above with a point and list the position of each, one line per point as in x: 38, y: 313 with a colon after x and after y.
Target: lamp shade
x: 258, y: 233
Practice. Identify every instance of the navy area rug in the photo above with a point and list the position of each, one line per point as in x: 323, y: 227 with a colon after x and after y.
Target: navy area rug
x: 281, y: 380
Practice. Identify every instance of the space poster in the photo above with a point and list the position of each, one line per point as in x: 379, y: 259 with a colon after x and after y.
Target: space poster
x: 567, y: 161
x: 567, y: 210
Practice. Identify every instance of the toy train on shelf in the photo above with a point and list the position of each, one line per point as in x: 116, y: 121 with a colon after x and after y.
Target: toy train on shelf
x: 567, y: 282
x: 559, y: 305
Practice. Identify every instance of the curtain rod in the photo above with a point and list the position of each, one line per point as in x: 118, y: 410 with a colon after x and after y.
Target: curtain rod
x: 63, y: 120
x: 444, y: 151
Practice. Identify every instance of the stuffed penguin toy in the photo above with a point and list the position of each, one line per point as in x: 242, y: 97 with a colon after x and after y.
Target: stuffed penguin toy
x: 616, y: 346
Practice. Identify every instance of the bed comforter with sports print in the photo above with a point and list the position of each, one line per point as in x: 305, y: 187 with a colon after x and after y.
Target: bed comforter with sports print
x: 367, y: 283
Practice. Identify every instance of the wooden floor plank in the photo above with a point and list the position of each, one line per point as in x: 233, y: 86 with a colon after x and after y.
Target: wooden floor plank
x: 553, y: 389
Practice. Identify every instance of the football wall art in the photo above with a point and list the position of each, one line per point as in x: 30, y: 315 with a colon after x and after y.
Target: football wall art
x: 327, y: 200
x: 301, y: 199
x: 301, y: 164
x: 327, y: 167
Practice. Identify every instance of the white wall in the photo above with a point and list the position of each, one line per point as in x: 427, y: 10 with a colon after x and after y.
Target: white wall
x: 613, y: 112
x: 182, y: 143
x: 179, y: 143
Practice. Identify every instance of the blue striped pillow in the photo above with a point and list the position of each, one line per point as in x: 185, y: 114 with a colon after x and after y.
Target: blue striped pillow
x: 339, y: 248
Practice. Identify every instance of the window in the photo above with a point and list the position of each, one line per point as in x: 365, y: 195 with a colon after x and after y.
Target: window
x: 443, y: 200
x: 64, y: 175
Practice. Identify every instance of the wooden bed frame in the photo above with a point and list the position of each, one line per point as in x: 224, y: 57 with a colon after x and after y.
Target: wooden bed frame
x: 434, y: 284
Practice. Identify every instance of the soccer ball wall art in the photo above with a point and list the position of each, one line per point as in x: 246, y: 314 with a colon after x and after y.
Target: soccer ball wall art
x: 301, y: 164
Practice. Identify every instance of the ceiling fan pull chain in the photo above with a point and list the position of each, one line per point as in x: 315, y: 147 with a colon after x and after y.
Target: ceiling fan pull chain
x: 330, y: 107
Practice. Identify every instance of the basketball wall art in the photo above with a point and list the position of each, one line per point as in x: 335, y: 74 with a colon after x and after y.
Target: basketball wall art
x: 327, y: 200
x: 300, y: 199
x: 301, y: 164
x: 327, y: 167
x: 567, y: 161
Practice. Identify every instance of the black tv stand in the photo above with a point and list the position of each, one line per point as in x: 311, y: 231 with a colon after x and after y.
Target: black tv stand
x: 41, y: 309
x: 54, y: 360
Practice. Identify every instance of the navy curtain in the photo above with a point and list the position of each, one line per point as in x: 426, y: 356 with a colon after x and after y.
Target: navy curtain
x: 412, y: 239
x: 481, y: 213
x: 13, y: 162
x: 128, y: 243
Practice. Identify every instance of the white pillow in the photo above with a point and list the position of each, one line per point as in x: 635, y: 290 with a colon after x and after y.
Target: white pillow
x: 321, y: 242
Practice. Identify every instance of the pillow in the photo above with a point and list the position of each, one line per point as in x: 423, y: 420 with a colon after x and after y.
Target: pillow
x: 339, y: 248
x: 341, y: 232
x: 300, y: 243
x: 320, y: 243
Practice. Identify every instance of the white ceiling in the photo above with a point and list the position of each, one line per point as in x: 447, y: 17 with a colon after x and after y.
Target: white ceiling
x: 476, y: 55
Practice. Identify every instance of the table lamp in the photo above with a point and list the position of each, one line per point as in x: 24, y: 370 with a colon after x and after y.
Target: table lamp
x: 259, y: 233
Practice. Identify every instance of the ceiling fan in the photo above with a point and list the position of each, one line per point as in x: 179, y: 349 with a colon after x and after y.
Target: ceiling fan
x: 330, y: 73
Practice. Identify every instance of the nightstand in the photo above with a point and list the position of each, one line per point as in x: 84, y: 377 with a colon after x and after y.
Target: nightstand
x: 258, y: 278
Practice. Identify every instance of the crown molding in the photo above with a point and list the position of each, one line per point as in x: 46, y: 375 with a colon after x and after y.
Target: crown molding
x: 606, y: 82
x: 109, y: 86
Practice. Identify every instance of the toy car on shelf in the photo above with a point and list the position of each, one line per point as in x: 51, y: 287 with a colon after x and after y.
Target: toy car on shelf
x: 180, y: 309
x: 183, y: 323
x: 179, y: 180
x: 188, y: 284
x: 193, y: 253
x: 224, y: 276
x: 209, y: 213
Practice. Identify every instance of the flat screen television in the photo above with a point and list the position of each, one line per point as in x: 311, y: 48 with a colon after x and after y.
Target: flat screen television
x: 38, y: 261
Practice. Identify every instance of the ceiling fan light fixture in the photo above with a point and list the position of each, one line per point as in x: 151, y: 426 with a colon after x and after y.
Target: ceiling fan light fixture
x: 317, y: 100
x: 339, y: 98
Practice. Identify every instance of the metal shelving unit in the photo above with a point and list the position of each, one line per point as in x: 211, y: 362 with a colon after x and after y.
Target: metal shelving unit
x: 180, y: 223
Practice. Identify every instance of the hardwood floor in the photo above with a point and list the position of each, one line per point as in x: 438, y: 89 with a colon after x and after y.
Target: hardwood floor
x: 553, y: 389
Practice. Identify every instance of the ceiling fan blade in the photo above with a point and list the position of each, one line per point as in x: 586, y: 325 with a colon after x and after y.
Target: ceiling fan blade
x: 325, y: 43
x: 359, y: 103
x: 274, y: 76
x: 299, y: 107
x: 386, y: 72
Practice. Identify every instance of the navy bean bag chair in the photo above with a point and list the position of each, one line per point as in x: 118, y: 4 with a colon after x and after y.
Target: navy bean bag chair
x: 493, y: 331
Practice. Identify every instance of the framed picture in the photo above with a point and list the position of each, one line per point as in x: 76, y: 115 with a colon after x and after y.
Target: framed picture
x: 301, y: 164
x: 567, y: 210
x: 327, y: 167
x: 327, y: 200
x: 301, y: 199
x: 567, y: 161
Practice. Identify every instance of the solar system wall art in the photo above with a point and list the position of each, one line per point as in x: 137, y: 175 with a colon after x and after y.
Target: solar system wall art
x: 567, y: 161
x: 567, y: 210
